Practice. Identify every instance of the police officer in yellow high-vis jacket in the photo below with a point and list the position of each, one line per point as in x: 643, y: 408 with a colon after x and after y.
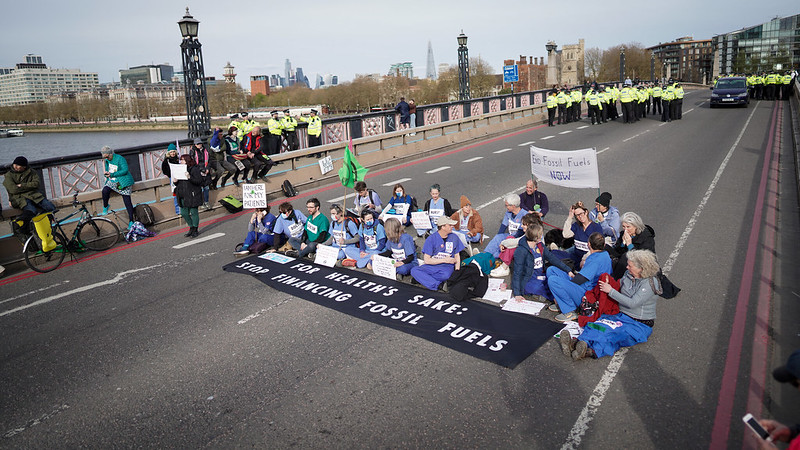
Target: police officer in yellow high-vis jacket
x: 289, y: 125
x: 275, y: 136
x: 561, y: 102
x: 314, y: 130
x: 551, y: 108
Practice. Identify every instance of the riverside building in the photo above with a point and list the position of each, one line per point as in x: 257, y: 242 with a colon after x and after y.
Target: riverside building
x: 32, y: 81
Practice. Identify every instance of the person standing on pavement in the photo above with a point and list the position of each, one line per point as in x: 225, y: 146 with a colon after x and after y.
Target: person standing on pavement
x: 190, y: 193
x: 202, y: 158
x: 171, y: 158
x: 412, y: 113
x: 117, y: 179
x: 275, y: 138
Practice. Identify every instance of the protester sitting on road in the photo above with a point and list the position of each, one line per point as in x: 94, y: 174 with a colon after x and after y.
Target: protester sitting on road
x: 635, y: 236
x: 400, y: 204
x: 219, y: 146
x: 316, y: 231
x: 510, y: 226
x: 366, y: 199
x: 400, y: 247
x: 529, y: 276
x: 637, y: 298
x: 259, y: 229
x: 289, y: 224
x: 606, y: 215
x: 171, y: 158
x: 22, y: 184
x: 579, y: 226
x: 778, y: 432
x: 440, y: 254
x: 534, y: 200
x: 568, y: 287
x: 343, y: 232
x: 372, y: 239
x: 190, y: 193
x: 468, y: 222
x: 117, y: 179
x: 436, y: 206
x: 509, y: 245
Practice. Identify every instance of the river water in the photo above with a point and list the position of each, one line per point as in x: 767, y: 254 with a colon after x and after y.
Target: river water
x: 37, y: 146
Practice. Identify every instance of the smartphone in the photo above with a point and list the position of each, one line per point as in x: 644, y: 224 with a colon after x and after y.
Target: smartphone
x: 756, y: 427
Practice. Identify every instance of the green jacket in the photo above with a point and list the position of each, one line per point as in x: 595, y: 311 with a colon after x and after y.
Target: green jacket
x: 29, y: 189
x: 121, y: 174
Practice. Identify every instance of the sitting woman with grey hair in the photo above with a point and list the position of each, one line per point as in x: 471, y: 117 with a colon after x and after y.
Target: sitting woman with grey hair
x: 637, y: 297
x: 635, y: 236
x: 117, y: 179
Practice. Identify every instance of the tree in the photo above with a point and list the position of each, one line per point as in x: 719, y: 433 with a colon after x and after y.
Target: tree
x: 592, y: 58
x: 482, y: 79
x: 637, y: 62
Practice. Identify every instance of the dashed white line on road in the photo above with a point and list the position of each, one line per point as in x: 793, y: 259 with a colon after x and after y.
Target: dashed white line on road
x: 198, y: 240
x: 336, y: 200
x: 687, y: 112
x: 473, y: 159
x: 547, y: 137
x: 525, y: 143
x: 663, y: 124
x: 36, y: 421
x: 635, y: 136
x: 261, y: 312
x: 438, y: 170
x: 585, y: 126
x: 501, y: 197
x: 601, y: 151
x: 565, y: 132
x: 503, y: 150
x: 401, y: 180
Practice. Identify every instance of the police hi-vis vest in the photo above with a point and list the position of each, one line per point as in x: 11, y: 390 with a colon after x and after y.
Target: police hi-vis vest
x: 551, y: 101
x: 314, y: 125
x: 288, y: 123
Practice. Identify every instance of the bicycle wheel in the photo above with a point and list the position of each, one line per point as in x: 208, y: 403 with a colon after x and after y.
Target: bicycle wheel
x: 41, y: 261
x: 98, y: 233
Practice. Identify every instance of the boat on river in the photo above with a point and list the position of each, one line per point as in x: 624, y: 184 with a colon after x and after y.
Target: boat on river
x: 13, y: 132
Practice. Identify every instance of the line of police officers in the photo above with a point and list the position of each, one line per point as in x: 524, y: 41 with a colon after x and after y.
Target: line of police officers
x: 635, y: 102
x: 280, y: 128
x: 768, y: 86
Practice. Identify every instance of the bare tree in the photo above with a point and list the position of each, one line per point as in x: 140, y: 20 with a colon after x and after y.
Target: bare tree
x: 592, y: 58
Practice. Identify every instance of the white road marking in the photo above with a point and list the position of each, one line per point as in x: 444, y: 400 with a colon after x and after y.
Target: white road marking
x: 438, y: 170
x: 36, y: 421
x: 636, y: 135
x: 547, y: 137
x: 565, y: 132
x: 261, y: 312
x: 337, y: 199
x: 599, y: 393
x: 663, y: 124
x: 503, y: 150
x: 687, y: 112
x: 33, y: 292
x: 601, y: 151
x: 401, y: 180
x: 198, y: 240
x: 585, y: 126
x: 501, y: 197
x: 525, y: 143
x: 473, y: 159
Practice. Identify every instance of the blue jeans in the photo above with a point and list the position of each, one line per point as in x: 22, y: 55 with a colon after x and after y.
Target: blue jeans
x: 33, y: 208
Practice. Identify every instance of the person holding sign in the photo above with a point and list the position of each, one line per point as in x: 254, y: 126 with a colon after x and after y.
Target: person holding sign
x: 189, y: 191
x: 400, y: 204
x: 259, y: 229
x: 568, y: 287
x: 118, y: 179
x: 366, y: 199
x: 289, y: 224
x: 579, y: 226
x: 436, y: 206
x: 468, y: 221
x: 372, y: 239
x: 400, y: 247
x: 316, y: 231
x: 510, y: 227
x: 343, y: 232
x: 441, y: 255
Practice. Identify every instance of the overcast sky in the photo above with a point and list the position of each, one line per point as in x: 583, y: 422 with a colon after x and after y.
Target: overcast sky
x: 348, y: 37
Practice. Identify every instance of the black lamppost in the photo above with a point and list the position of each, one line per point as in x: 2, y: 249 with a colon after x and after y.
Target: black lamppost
x: 652, y: 67
x: 622, y: 64
x: 463, y: 67
x: 194, y: 78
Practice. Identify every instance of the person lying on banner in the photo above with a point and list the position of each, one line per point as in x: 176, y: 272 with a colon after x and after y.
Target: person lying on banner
x: 435, y: 206
x: 529, y: 276
x: 568, y: 287
x: 289, y: 224
x: 579, y: 226
x: 637, y: 298
x: 315, y: 232
x: 400, y: 247
x: 399, y: 205
x: 259, y: 229
x: 343, y: 232
x: 440, y: 254
x: 372, y: 239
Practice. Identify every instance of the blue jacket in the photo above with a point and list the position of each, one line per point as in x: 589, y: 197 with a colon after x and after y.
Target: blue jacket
x: 526, y: 265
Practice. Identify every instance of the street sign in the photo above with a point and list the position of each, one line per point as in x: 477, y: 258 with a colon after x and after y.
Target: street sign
x: 510, y: 74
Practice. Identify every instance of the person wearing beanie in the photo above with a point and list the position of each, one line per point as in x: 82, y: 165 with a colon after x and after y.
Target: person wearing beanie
x: 468, y: 221
x: 171, y: 157
x: 788, y: 373
x: 117, y: 179
x: 22, y: 184
x: 606, y: 215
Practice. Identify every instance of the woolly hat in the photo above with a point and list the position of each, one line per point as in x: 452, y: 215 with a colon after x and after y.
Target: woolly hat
x: 171, y: 147
x: 464, y: 201
x: 21, y: 161
x: 604, y: 199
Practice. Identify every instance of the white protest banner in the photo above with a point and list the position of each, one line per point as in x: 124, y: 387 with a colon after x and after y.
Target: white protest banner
x: 254, y: 196
x: 572, y: 168
x: 421, y: 220
x: 326, y: 165
x: 326, y: 255
x: 178, y: 171
x: 384, y: 267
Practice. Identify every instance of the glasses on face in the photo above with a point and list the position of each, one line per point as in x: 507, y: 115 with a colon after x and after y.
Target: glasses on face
x: 578, y: 214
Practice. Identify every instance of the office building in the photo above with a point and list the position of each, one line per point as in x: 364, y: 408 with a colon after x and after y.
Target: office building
x: 149, y: 74
x: 32, y: 81
x: 259, y: 84
x: 685, y: 59
x: 405, y: 69
x: 773, y: 45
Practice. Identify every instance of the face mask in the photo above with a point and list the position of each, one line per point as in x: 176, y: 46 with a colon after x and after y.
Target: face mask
x: 285, y: 215
x: 399, y: 193
x: 368, y: 223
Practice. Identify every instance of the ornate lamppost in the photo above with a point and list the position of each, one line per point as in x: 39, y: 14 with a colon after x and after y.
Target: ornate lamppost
x: 652, y: 67
x: 463, y: 67
x: 194, y: 78
x: 622, y: 65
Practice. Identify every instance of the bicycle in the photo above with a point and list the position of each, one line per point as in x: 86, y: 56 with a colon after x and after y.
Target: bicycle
x: 92, y: 233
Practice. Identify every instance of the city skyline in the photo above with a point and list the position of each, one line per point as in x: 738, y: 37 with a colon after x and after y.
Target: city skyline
x: 74, y: 35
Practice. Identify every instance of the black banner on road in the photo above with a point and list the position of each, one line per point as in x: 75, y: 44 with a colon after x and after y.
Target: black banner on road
x: 474, y: 328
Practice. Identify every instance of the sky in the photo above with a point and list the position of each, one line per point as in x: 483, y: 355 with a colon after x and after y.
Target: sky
x: 348, y: 37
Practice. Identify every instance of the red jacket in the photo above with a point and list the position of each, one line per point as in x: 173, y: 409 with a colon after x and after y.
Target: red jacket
x: 606, y: 305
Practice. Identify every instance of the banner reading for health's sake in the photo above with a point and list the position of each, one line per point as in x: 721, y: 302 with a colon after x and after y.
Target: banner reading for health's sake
x: 568, y: 168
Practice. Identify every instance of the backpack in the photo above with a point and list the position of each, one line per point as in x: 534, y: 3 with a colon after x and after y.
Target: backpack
x: 144, y: 214
x: 231, y: 203
x: 288, y: 190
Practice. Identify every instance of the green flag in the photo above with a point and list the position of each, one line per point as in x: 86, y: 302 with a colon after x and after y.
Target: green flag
x: 351, y: 170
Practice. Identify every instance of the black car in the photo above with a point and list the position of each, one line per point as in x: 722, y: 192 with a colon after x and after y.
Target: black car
x: 730, y: 91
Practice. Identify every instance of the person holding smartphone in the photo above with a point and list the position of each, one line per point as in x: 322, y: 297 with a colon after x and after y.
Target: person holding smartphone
x: 778, y: 432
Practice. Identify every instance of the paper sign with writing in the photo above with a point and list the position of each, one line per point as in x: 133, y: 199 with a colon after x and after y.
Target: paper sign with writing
x: 421, y: 220
x: 254, y: 196
x: 384, y: 267
x: 178, y: 171
x: 326, y: 165
x: 326, y: 255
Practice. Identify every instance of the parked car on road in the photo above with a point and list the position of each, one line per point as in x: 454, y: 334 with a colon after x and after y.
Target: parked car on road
x: 730, y: 91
